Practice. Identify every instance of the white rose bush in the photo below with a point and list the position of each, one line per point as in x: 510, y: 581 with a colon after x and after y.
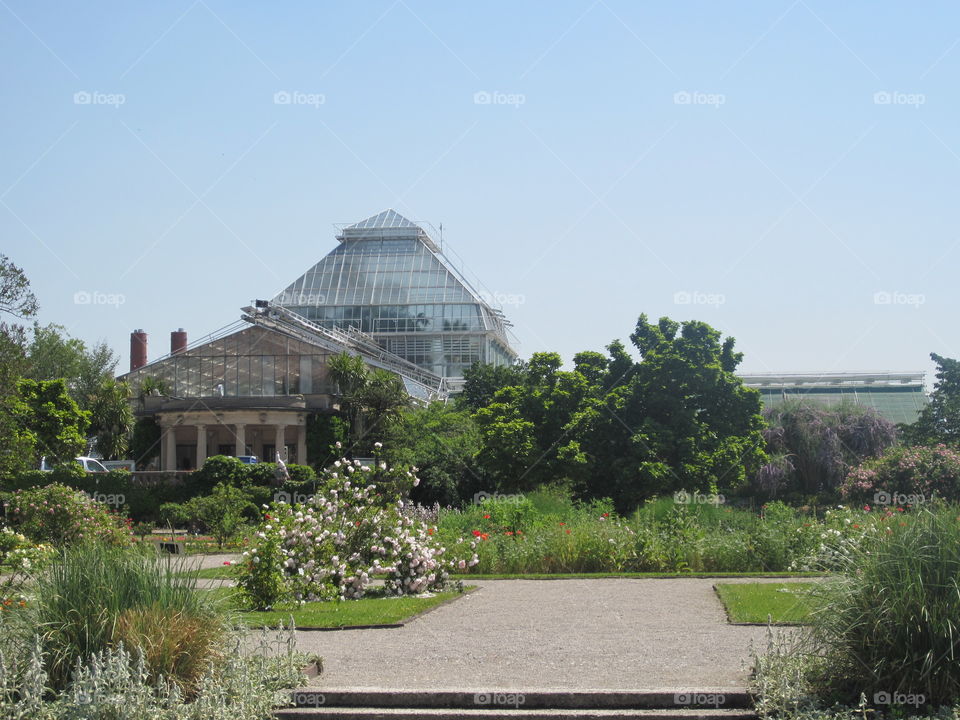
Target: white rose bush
x: 357, y: 528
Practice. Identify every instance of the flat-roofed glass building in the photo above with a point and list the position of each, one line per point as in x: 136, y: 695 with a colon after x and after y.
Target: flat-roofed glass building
x: 389, y: 279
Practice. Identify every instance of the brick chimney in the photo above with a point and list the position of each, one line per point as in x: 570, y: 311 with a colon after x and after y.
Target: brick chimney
x: 138, y: 349
x: 178, y: 341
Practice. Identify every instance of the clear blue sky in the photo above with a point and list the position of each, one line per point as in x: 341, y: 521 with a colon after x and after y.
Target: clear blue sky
x: 739, y: 156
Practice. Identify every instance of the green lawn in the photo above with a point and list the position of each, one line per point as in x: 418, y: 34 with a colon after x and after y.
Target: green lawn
x: 781, y: 603
x: 641, y: 575
x: 366, y: 611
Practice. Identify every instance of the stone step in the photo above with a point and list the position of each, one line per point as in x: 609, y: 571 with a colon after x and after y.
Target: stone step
x: 674, y: 700
x: 510, y: 713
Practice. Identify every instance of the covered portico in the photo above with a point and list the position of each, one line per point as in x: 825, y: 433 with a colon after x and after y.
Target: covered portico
x: 193, y: 430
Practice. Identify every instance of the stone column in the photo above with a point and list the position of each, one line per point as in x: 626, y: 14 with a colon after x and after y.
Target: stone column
x: 201, y: 445
x: 301, y: 444
x: 241, y: 439
x: 169, y: 435
x: 281, y: 441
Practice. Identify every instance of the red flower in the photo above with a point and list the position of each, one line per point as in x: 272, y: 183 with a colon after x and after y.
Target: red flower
x: 856, y: 526
x: 568, y: 532
x: 606, y: 514
x: 562, y: 524
x: 866, y: 508
x: 227, y: 562
x: 357, y: 523
x: 486, y: 517
x: 429, y: 531
x: 267, y: 516
x: 509, y: 532
x: 899, y: 509
x: 476, y: 533
x: 484, y: 536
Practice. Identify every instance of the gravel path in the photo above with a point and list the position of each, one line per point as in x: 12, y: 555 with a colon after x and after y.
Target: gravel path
x: 616, y: 634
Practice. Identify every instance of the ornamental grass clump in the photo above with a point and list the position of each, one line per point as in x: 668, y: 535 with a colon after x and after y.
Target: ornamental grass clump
x: 890, y: 625
x: 95, y: 597
x: 335, y: 545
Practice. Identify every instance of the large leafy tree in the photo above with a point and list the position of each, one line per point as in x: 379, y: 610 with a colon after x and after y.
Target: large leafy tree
x: 627, y: 429
x: 55, y: 423
x: 939, y: 421
x: 53, y: 354
x: 442, y: 441
x: 17, y: 303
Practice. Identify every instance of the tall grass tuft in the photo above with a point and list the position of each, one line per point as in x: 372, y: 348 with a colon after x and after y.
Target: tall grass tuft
x: 891, y: 623
x: 96, y: 596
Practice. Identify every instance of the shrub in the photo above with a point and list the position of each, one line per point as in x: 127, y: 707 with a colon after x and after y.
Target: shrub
x: 889, y: 623
x: 220, y: 469
x: 61, y: 516
x: 92, y: 591
x: 920, y: 471
x: 334, y: 546
x: 813, y: 447
x: 222, y: 513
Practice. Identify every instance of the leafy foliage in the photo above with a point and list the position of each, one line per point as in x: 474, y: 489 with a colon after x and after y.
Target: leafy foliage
x: 939, y: 421
x: 61, y: 516
x: 921, y: 472
x: 53, y: 419
x: 813, y: 447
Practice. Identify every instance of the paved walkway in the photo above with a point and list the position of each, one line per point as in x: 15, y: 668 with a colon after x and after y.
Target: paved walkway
x: 615, y: 634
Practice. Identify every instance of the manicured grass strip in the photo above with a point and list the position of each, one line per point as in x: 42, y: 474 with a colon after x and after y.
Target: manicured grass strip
x: 782, y: 603
x: 348, y: 613
x: 588, y: 576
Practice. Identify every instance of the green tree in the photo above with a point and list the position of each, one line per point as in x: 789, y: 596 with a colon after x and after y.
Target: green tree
x: 111, y: 418
x: 145, y: 441
x: 17, y: 303
x: 221, y: 513
x: 442, y: 442
x: 370, y: 399
x: 53, y: 354
x: 52, y: 417
x: 939, y: 421
x: 482, y: 381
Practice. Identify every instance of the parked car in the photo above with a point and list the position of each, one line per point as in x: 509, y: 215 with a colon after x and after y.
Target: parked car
x: 248, y: 459
x: 89, y: 464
